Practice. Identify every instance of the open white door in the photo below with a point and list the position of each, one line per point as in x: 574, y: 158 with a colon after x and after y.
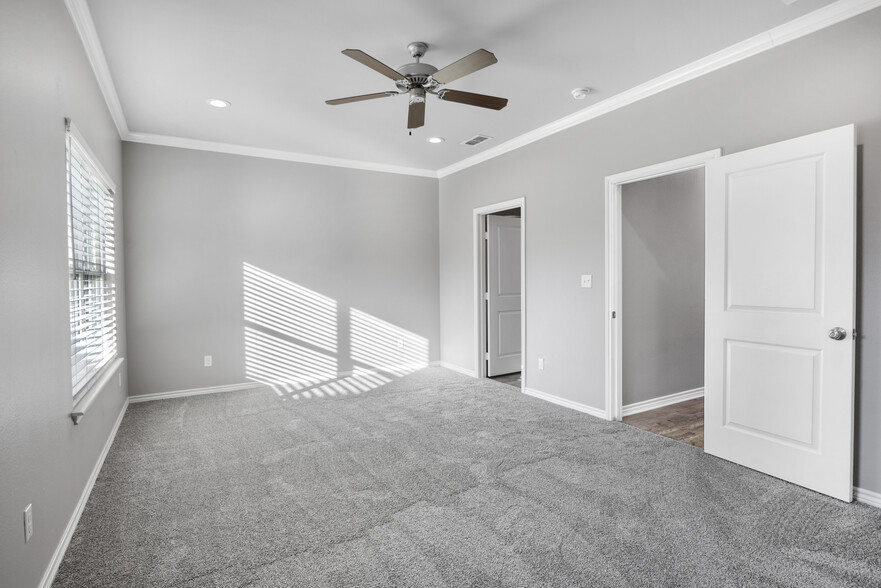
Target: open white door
x: 503, y: 294
x: 780, y: 310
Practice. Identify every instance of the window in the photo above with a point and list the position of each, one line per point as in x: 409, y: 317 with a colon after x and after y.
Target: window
x: 91, y: 262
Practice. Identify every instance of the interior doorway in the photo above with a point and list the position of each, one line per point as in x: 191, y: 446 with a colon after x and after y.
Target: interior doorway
x: 655, y: 281
x: 779, y: 306
x: 500, y: 298
x: 662, y: 312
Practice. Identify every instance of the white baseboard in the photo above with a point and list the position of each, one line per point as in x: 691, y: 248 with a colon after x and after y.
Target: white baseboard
x: 567, y: 403
x: 459, y: 369
x: 406, y: 368
x: 193, y: 392
x: 667, y: 400
x: 867, y: 497
x: 61, y: 549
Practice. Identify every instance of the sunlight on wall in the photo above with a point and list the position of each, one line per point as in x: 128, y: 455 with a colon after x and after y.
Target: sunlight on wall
x: 386, y: 347
x: 291, y: 342
x: 284, y: 365
x: 289, y: 309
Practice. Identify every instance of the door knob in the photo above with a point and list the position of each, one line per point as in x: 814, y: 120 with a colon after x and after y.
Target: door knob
x: 837, y: 333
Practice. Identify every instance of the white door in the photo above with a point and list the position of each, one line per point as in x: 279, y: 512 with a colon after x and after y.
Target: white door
x: 503, y: 294
x: 780, y: 280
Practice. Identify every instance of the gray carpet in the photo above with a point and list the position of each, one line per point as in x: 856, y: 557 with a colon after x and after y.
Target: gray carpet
x: 440, y: 480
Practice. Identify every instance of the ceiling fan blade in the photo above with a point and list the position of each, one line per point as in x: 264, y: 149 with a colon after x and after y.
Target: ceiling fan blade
x: 360, y: 98
x: 468, y: 64
x: 374, y: 64
x: 416, y: 115
x: 481, y: 100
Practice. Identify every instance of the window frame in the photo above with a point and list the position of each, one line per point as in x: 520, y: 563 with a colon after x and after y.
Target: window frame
x: 101, y: 264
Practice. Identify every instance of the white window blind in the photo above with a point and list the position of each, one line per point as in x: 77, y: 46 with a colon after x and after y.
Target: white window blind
x: 91, y: 263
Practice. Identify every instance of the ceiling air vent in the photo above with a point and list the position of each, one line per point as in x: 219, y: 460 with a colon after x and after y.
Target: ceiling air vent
x: 476, y: 140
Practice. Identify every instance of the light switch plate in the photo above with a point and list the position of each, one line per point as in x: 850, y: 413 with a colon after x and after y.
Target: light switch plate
x: 586, y: 281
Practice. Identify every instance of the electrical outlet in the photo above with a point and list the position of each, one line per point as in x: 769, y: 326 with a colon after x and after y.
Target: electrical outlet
x: 208, y: 361
x: 541, y: 363
x: 28, y: 523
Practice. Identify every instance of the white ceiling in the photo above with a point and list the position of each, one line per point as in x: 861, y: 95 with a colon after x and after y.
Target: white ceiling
x: 277, y: 61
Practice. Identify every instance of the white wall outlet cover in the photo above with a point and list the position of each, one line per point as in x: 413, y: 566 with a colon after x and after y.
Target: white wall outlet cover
x: 541, y: 363
x: 586, y: 281
x: 208, y: 361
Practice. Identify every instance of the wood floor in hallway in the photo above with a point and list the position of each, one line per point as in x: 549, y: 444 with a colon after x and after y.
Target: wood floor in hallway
x: 683, y: 421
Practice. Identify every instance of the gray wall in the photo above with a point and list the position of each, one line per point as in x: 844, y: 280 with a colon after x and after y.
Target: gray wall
x: 364, y: 240
x: 827, y: 79
x: 45, y: 460
x: 662, y: 234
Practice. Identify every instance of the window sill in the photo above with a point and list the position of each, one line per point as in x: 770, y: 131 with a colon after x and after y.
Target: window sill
x: 85, y: 399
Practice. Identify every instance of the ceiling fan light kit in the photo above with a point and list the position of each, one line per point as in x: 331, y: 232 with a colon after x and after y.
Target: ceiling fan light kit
x: 419, y: 79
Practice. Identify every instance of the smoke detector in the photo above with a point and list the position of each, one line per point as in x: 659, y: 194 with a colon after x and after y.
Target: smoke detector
x: 580, y: 93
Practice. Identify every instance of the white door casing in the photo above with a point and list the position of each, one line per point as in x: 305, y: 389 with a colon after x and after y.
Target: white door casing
x: 614, y: 266
x: 503, y: 294
x: 780, y: 242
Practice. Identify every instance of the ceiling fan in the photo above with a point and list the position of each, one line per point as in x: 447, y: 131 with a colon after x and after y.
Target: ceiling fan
x: 419, y: 79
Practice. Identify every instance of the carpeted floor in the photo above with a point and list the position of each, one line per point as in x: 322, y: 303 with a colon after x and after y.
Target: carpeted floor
x: 441, y: 480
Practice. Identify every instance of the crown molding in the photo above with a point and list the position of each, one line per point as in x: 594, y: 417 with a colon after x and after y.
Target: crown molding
x: 82, y: 20
x: 795, y: 29
x: 199, y: 145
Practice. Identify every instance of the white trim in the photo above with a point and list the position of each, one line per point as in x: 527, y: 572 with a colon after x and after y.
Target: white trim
x: 479, y: 257
x: 455, y: 368
x: 90, y: 155
x: 199, y: 145
x: 810, y: 23
x: 661, y: 401
x: 800, y: 27
x: 61, y: 549
x: 601, y: 414
x: 84, y: 399
x: 613, y: 329
x: 867, y: 497
x: 193, y: 392
x: 85, y: 26
x: 664, y: 168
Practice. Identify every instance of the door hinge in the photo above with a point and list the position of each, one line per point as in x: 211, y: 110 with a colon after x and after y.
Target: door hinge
x: 613, y: 314
x: 486, y: 356
x: 486, y: 236
x: 486, y: 295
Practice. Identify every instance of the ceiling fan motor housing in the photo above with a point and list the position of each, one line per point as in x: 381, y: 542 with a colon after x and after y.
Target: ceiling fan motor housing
x: 417, y: 74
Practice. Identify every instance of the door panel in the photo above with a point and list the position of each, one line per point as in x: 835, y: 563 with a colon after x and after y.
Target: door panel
x: 770, y: 391
x: 503, y: 300
x: 780, y: 275
x: 772, y: 236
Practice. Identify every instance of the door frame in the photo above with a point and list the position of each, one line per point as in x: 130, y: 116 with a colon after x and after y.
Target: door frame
x: 480, y: 283
x: 614, y: 299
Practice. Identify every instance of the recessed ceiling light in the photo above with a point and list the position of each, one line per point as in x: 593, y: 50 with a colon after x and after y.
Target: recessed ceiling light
x: 218, y: 103
x: 580, y: 93
x: 435, y: 139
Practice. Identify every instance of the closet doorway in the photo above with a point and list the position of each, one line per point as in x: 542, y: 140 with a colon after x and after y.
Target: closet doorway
x: 499, y: 245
